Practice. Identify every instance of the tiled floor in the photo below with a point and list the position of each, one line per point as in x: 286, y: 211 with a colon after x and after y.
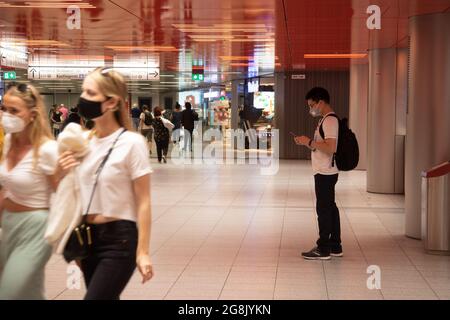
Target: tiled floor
x: 227, y: 232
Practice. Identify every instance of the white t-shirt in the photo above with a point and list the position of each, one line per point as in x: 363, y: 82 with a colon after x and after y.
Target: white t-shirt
x: 26, y: 185
x: 322, y: 162
x: 144, y: 126
x: 114, y: 195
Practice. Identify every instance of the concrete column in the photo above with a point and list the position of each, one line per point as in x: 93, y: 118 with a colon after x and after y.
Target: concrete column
x: 387, y: 101
x: 428, y: 118
x: 359, y: 85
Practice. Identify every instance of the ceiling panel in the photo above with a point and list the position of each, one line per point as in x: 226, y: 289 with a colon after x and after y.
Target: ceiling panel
x: 271, y: 34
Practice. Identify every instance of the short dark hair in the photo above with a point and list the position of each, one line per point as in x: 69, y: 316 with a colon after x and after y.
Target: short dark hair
x: 145, y: 107
x: 188, y: 105
x: 316, y: 94
x: 157, y: 111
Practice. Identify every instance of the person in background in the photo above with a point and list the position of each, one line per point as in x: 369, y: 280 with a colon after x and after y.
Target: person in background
x: 162, y: 135
x: 64, y: 112
x: 176, y: 120
x: 119, y: 211
x: 73, y: 117
x: 167, y: 114
x: 51, y: 111
x: 145, y: 125
x: 188, y: 119
x: 27, y: 179
x: 56, y: 120
x: 135, y: 116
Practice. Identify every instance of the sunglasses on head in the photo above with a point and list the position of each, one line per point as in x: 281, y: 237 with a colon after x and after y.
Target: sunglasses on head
x: 22, y: 87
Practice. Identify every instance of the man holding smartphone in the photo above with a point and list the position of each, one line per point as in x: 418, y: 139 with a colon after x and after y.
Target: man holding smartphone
x: 323, y: 147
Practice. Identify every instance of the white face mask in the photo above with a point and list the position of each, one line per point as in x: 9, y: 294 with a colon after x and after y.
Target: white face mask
x: 314, y: 112
x: 12, y: 123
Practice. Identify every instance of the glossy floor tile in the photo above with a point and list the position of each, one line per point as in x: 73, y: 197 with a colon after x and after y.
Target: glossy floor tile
x: 228, y: 232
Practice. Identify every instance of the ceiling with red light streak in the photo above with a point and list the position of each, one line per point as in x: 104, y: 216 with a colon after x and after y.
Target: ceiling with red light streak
x: 228, y: 35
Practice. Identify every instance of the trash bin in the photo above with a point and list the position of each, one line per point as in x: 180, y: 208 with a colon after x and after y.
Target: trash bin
x: 436, y: 209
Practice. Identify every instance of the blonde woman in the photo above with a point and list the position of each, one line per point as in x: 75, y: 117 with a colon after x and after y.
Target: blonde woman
x: 26, y: 175
x: 119, y: 214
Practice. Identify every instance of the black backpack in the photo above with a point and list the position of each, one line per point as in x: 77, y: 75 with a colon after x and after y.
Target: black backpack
x: 148, y: 118
x: 347, y: 152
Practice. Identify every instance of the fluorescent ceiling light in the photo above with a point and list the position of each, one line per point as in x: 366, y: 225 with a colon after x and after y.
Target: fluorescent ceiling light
x: 336, y: 56
x: 143, y: 48
x: 48, y: 4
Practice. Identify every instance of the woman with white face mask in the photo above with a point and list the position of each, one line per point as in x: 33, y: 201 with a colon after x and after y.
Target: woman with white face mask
x: 26, y: 176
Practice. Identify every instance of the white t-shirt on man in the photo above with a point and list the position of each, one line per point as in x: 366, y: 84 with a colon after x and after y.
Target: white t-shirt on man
x: 321, y: 161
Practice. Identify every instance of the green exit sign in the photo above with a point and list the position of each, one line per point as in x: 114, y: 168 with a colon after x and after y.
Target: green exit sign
x: 9, y: 75
x: 198, y: 77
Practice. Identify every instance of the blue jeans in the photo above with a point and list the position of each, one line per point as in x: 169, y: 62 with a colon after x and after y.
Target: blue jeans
x: 136, y: 123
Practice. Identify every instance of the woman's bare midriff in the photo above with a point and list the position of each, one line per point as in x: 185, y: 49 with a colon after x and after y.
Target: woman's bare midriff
x: 99, y: 219
x: 11, y: 206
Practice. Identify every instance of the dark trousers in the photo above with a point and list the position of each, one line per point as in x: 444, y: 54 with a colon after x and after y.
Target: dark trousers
x: 162, y: 147
x: 112, y: 260
x: 327, y: 213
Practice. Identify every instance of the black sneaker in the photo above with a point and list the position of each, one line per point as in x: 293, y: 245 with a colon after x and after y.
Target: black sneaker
x: 337, y: 252
x: 316, y: 254
x: 164, y: 159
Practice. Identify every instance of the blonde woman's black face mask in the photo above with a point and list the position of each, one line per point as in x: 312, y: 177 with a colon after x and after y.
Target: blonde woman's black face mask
x: 90, y: 109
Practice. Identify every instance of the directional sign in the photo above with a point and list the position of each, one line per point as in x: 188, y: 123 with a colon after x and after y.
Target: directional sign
x: 58, y: 73
x: 64, y: 73
x: 153, y: 74
x: 33, y: 73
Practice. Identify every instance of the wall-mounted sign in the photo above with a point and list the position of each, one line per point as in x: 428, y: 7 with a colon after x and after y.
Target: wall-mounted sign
x: 298, y: 77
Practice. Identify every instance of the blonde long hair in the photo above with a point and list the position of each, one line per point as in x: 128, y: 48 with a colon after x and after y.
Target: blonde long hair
x: 40, y: 127
x: 112, y: 84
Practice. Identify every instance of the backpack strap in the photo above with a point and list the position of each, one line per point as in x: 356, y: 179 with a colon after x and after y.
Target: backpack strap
x: 322, y: 134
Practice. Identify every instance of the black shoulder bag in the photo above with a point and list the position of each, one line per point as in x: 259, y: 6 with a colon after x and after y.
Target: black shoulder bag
x: 79, y: 243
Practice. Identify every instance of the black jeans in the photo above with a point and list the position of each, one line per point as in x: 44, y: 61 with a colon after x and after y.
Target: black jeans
x: 327, y: 213
x: 112, y: 260
x: 162, y: 147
